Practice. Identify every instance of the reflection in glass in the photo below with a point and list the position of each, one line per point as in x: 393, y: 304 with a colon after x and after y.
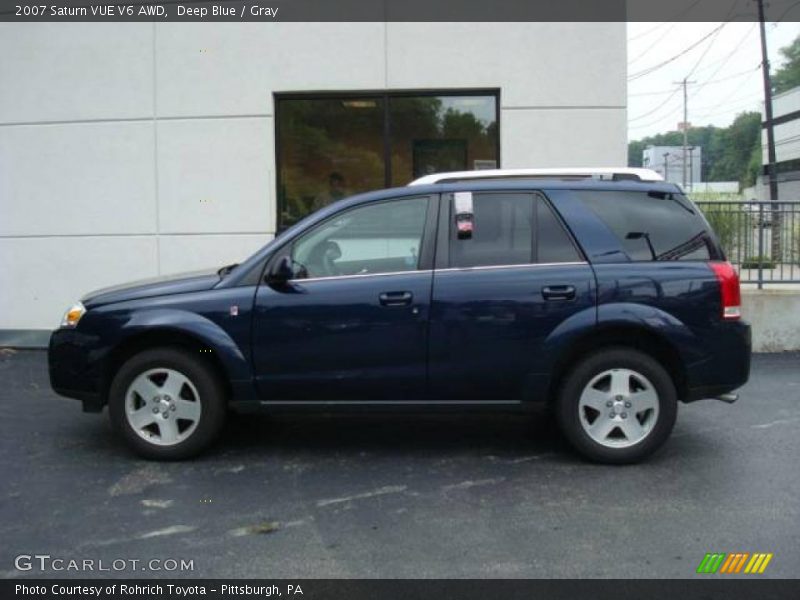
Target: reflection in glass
x: 433, y: 134
x: 329, y: 148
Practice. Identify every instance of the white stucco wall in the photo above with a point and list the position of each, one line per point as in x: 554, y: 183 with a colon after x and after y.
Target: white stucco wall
x: 131, y: 150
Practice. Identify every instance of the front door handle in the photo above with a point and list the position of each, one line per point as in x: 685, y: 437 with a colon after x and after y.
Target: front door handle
x: 558, y: 292
x: 396, y: 298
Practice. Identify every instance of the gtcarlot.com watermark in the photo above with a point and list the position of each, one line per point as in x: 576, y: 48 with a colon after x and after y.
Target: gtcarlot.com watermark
x: 48, y: 563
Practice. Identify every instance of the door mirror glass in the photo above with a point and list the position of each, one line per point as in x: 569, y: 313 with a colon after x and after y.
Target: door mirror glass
x: 465, y: 215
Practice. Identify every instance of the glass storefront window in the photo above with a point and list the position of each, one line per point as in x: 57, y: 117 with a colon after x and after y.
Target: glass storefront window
x: 334, y: 146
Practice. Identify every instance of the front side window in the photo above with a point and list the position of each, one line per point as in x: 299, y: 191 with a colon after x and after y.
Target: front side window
x: 652, y: 225
x: 511, y: 229
x: 385, y: 237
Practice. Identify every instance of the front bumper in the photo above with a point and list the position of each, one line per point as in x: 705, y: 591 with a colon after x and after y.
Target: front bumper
x: 73, y: 373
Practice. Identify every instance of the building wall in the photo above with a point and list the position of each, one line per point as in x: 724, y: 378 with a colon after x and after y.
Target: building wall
x: 653, y: 158
x: 787, y: 135
x: 133, y: 150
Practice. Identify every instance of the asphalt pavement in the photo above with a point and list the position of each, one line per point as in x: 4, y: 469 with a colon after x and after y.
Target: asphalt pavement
x: 404, y: 496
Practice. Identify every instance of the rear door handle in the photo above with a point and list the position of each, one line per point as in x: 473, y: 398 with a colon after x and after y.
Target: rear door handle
x: 396, y: 298
x: 558, y: 292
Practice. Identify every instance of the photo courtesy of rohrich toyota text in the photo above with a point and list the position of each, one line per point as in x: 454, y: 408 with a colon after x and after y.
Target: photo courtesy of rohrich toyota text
x: 400, y: 299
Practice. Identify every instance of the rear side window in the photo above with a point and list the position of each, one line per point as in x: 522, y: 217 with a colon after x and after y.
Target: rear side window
x: 511, y: 229
x: 653, y: 225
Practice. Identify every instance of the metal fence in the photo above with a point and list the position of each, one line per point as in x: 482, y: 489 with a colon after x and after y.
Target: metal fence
x: 761, y: 239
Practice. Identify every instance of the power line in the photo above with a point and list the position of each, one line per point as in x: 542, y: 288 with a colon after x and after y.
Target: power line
x: 648, y: 32
x: 674, y: 19
x: 709, y: 82
x: 683, y: 52
x: 716, y: 33
x: 651, y: 46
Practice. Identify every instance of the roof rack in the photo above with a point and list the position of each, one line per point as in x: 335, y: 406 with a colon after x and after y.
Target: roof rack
x: 601, y: 173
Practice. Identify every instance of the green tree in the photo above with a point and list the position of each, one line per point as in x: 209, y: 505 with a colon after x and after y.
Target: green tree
x: 727, y: 152
x: 788, y: 75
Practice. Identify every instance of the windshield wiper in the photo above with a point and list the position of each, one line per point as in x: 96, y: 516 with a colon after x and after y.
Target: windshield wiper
x: 227, y: 269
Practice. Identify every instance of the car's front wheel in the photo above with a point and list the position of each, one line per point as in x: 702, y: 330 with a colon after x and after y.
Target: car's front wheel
x: 167, y: 404
x: 617, y: 406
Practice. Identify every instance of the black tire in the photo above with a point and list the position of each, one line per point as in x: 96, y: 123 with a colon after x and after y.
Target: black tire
x: 211, y: 396
x: 568, y: 410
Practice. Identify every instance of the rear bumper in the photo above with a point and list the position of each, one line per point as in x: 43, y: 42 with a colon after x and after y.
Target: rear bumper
x: 72, y: 373
x: 727, y: 366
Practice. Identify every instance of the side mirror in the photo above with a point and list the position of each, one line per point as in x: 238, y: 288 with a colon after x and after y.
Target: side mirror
x: 465, y: 215
x: 281, y: 270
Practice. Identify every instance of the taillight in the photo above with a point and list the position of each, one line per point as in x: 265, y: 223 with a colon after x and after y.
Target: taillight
x: 729, y: 289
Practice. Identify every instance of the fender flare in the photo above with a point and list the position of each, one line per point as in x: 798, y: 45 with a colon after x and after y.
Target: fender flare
x: 205, y: 331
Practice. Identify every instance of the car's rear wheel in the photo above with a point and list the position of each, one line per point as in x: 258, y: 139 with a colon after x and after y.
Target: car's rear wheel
x: 167, y: 404
x: 617, y: 406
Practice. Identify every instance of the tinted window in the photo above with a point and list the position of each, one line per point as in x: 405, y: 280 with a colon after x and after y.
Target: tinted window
x: 505, y: 226
x: 553, y: 243
x: 503, y: 232
x: 378, y: 238
x: 652, y: 226
x: 333, y: 146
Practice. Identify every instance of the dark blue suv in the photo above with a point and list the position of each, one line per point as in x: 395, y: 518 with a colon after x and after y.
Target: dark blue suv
x: 608, y: 299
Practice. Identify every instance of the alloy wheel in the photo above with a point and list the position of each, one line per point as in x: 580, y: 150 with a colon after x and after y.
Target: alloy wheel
x: 162, y: 406
x: 618, y: 408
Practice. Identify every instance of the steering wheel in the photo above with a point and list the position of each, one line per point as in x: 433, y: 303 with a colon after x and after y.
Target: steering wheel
x: 324, y: 257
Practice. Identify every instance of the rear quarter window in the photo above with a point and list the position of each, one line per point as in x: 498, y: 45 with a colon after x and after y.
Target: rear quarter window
x: 653, y: 225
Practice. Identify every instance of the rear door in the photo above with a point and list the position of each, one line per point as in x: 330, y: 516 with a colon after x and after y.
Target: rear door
x: 498, y: 296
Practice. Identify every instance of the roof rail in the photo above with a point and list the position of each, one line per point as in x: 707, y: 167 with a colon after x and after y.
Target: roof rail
x: 601, y: 173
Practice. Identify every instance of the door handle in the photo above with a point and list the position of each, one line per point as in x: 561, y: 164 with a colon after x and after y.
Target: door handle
x: 396, y: 298
x: 558, y: 292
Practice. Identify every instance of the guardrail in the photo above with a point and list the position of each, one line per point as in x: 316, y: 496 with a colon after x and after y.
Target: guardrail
x: 761, y: 239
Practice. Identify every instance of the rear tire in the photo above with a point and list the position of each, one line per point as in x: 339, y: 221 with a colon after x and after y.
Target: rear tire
x: 617, y: 406
x: 167, y: 404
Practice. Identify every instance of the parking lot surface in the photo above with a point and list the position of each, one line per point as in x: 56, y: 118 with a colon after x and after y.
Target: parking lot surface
x: 401, y: 496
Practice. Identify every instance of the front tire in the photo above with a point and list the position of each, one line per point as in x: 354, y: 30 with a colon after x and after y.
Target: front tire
x: 167, y: 404
x: 617, y: 406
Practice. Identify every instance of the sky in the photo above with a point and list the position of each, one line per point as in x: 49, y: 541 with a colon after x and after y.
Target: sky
x: 725, y: 66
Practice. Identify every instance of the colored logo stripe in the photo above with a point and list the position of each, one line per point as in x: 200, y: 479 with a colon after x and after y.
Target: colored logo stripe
x: 734, y: 562
x: 758, y: 563
x: 710, y: 563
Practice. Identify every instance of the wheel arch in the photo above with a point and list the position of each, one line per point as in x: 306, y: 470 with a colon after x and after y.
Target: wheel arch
x: 164, y: 337
x: 626, y: 335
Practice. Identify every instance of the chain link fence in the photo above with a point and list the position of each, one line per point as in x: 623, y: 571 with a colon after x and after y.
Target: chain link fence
x: 761, y: 239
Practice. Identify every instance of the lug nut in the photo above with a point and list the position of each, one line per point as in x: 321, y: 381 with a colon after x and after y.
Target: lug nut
x: 619, y: 398
x: 166, y: 415
x: 624, y: 415
x: 613, y: 414
x: 155, y: 409
x: 172, y: 407
x: 609, y: 404
x: 627, y: 405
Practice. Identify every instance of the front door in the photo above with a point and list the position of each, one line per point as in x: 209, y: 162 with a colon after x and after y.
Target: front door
x: 500, y: 294
x: 352, y: 323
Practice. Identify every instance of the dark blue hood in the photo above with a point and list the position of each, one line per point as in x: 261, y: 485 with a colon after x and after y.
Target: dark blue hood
x: 156, y: 286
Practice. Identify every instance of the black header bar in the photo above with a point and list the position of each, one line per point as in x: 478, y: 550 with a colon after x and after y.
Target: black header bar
x: 393, y: 10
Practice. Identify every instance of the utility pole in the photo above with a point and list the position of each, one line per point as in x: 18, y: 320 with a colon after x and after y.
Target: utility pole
x: 685, y: 83
x: 771, y: 158
x: 691, y: 167
x: 666, y: 166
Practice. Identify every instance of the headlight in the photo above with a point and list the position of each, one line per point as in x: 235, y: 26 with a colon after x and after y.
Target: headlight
x: 73, y: 315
